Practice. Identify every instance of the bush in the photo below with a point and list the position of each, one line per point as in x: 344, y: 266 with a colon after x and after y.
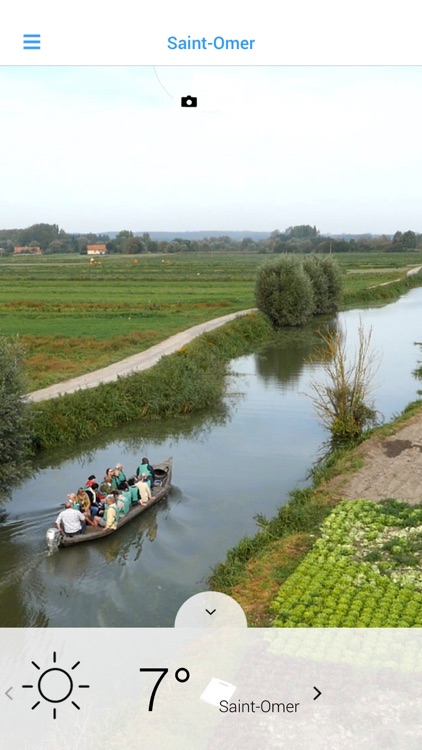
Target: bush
x: 313, y: 267
x: 327, y: 283
x: 14, y: 413
x: 284, y: 292
x: 332, y: 272
x: 289, y: 291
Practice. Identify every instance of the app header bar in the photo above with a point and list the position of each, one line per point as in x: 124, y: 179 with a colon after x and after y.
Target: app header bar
x: 217, y: 33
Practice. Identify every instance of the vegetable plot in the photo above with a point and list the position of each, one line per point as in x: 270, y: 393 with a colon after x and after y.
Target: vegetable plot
x: 364, y: 571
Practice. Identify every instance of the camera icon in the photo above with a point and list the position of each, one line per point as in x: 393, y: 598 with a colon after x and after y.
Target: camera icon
x: 189, y: 101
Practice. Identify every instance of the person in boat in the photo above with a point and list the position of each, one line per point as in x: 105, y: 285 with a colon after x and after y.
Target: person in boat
x: 82, y: 498
x: 106, y: 486
x: 126, y: 498
x: 85, y: 506
x: 146, y: 467
x: 134, y: 492
x: 145, y: 494
x: 92, y: 492
x: 118, y: 499
x: 111, y: 514
x: 70, y: 520
x: 90, y: 481
x: 120, y: 476
x: 96, y: 500
x: 73, y: 499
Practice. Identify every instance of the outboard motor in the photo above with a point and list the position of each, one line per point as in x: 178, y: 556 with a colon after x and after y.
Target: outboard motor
x: 53, y: 537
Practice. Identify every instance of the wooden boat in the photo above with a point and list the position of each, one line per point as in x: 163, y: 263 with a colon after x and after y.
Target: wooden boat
x: 163, y: 472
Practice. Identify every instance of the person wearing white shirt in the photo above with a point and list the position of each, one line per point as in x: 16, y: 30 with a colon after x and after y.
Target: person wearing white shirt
x: 71, y: 521
x: 144, y: 490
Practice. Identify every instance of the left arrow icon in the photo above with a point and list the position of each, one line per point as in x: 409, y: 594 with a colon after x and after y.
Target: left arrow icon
x: 7, y: 693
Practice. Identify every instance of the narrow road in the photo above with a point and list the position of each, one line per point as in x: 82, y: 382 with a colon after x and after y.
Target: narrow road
x: 412, y: 272
x: 135, y: 363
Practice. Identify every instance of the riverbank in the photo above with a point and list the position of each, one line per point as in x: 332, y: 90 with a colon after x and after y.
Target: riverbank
x: 263, y: 573
x: 189, y: 381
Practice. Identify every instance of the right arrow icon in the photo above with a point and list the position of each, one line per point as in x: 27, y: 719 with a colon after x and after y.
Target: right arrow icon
x: 318, y: 693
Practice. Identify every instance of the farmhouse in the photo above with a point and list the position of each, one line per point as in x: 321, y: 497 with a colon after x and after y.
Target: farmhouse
x: 27, y: 250
x: 96, y: 249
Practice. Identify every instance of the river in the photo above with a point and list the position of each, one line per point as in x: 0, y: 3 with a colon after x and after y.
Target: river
x: 228, y: 467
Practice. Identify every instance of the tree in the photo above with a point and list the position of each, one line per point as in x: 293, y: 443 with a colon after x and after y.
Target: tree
x: 8, y: 247
x: 283, y: 292
x: 133, y: 246
x: 40, y: 234
x: 397, y: 244
x: 341, y: 399
x: 302, y: 232
x: 409, y: 240
x: 15, y: 433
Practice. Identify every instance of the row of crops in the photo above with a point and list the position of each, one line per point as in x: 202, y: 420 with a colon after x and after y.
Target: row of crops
x: 363, y: 571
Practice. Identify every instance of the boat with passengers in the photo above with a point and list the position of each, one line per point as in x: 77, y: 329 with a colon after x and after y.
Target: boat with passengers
x: 163, y: 471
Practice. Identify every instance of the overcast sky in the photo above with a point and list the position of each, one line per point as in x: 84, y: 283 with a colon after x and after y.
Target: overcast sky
x: 97, y: 149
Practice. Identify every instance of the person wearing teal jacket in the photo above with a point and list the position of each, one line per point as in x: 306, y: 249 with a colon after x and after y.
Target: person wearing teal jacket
x: 126, y: 498
x: 133, y: 491
x: 146, y: 468
x: 120, y: 476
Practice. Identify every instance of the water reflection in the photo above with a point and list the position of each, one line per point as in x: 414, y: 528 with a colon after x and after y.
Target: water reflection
x: 285, y: 360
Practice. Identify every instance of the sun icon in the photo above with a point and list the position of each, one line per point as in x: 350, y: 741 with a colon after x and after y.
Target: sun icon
x: 55, y: 685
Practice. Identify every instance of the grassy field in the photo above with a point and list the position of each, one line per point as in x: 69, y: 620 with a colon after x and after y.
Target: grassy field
x: 74, y: 316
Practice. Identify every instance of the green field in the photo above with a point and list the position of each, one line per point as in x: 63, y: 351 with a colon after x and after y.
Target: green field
x: 74, y: 316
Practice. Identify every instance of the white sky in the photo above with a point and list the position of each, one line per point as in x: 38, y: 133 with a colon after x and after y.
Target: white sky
x: 97, y: 149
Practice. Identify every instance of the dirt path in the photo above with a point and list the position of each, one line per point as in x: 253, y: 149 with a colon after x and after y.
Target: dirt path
x: 411, y: 272
x: 135, y: 363
x: 392, y: 467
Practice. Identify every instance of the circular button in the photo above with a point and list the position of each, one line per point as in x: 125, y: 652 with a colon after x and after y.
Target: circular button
x: 210, y: 609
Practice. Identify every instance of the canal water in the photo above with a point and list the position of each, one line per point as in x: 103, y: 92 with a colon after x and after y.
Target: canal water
x: 228, y: 467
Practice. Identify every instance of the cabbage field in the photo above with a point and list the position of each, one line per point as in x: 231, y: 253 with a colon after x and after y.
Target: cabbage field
x: 363, y: 571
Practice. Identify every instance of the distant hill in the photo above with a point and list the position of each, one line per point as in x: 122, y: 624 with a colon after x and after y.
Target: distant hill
x: 366, y: 236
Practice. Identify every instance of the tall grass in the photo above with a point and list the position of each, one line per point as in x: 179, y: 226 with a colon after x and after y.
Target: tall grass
x: 304, y: 512
x: 341, y: 398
